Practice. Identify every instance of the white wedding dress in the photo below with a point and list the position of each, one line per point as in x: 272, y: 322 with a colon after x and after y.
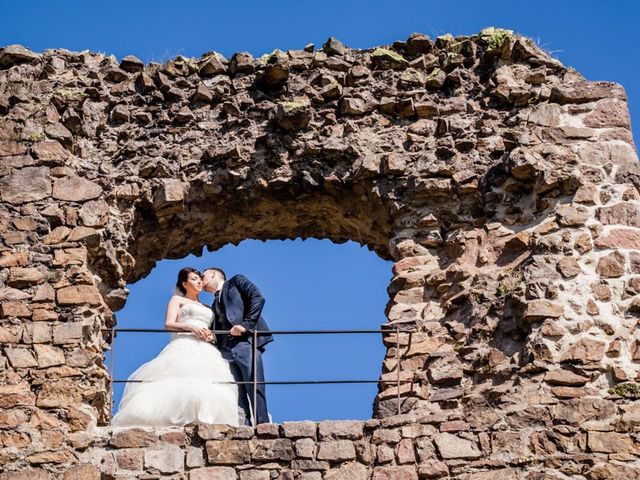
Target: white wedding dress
x: 179, y: 385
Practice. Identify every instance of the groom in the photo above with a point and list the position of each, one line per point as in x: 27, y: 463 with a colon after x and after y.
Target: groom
x: 237, y: 308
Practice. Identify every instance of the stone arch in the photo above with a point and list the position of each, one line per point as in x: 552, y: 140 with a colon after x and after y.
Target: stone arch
x: 503, y: 185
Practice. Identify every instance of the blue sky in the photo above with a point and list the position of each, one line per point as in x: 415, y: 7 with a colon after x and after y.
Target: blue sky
x: 312, y: 284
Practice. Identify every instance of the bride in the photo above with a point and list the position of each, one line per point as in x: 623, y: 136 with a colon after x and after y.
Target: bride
x: 184, y: 383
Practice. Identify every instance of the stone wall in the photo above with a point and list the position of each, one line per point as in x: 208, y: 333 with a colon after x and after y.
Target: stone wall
x: 503, y: 185
x: 408, y: 447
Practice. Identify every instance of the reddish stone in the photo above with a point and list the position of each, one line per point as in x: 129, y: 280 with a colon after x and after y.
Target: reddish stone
x: 570, y: 216
x: 433, y: 468
x: 133, y: 438
x: 611, y: 442
x: 13, y: 259
x: 584, y: 350
x: 619, y: 238
x: 28, y: 184
x: 609, y: 113
x: 451, y: 447
x: 228, y: 452
x: 565, y: 377
x: 568, y: 267
x: 75, y: 189
x: 94, y: 213
x: 543, y: 309
x: 49, y: 150
x: 579, y: 411
x: 79, y: 294
x: 347, y: 471
x: 26, y: 474
x: 14, y: 309
x: 601, y: 292
x: 611, y: 265
x: 623, y: 213
x: 445, y: 370
x: 568, y: 392
x: 213, y: 473
x: 334, y: 450
x: 11, y: 148
x: 395, y: 473
x: 129, y: 459
x: 405, y: 452
x: 25, y: 277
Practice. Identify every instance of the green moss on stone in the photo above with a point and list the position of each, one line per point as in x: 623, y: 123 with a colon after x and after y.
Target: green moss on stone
x: 267, y: 57
x: 434, y: 73
x: 386, y: 54
x: 292, y: 106
x: 626, y: 390
x: 495, y: 37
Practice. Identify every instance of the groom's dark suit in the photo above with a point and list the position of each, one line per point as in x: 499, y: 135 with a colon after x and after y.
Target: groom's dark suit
x: 240, y: 302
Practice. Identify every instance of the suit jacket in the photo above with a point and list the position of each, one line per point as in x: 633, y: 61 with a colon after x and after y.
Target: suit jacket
x: 241, y: 304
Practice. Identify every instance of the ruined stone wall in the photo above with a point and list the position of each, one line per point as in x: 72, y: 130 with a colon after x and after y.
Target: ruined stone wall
x: 503, y: 185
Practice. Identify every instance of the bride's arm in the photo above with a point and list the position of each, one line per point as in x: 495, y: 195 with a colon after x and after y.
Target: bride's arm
x: 170, y: 319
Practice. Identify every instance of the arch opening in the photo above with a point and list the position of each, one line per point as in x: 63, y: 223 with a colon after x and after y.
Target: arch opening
x: 309, y: 285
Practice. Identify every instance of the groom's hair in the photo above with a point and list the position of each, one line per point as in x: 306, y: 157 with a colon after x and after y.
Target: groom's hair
x: 219, y: 270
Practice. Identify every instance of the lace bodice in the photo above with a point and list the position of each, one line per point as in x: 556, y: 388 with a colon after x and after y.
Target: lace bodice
x: 195, y: 314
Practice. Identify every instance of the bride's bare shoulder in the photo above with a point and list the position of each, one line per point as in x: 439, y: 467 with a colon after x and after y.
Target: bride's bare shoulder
x: 176, y: 300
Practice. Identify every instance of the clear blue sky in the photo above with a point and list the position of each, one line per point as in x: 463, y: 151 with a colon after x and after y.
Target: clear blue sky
x: 312, y: 284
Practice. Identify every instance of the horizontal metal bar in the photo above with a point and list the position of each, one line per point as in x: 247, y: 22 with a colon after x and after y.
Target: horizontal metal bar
x: 284, y: 382
x: 263, y: 333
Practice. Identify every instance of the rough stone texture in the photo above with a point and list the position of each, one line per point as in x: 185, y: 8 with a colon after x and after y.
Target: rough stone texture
x: 503, y: 185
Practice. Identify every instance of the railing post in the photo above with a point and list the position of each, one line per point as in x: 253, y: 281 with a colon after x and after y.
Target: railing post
x: 111, y: 363
x: 253, y: 376
x: 398, y: 369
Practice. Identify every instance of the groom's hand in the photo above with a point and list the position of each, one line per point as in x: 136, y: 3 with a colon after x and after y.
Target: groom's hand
x: 237, y: 330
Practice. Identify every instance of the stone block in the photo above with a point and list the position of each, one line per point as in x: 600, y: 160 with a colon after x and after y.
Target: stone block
x: 28, y: 184
x: 78, y: 295
x: 165, y: 460
x: 299, y: 429
x: 213, y: 473
x: 15, y: 310
x: 20, y: 357
x: 336, y: 450
x: 255, y: 475
x: 21, y: 277
x: 612, y: 442
x: 48, y: 356
x: 133, y: 438
x: 305, y: 448
x: 37, y: 333
x: 130, y: 459
x: 280, y: 449
x: 82, y: 472
x: 228, y: 452
x: 453, y: 447
x: 351, y: 430
x: 26, y: 474
x: 584, y: 350
x: 75, y: 189
x: 395, y: 473
x: 67, y: 333
x: 348, y: 471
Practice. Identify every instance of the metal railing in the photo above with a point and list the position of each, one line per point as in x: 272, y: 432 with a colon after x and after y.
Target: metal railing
x: 254, y: 383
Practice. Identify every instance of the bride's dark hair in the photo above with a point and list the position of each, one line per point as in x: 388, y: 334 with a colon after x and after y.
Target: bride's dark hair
x: 183, y: 275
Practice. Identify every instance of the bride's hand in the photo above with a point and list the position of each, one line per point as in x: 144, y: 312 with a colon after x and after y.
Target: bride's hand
x: 200, y: 332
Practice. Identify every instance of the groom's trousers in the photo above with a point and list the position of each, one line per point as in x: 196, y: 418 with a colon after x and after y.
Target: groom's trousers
x: 240, y: 354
